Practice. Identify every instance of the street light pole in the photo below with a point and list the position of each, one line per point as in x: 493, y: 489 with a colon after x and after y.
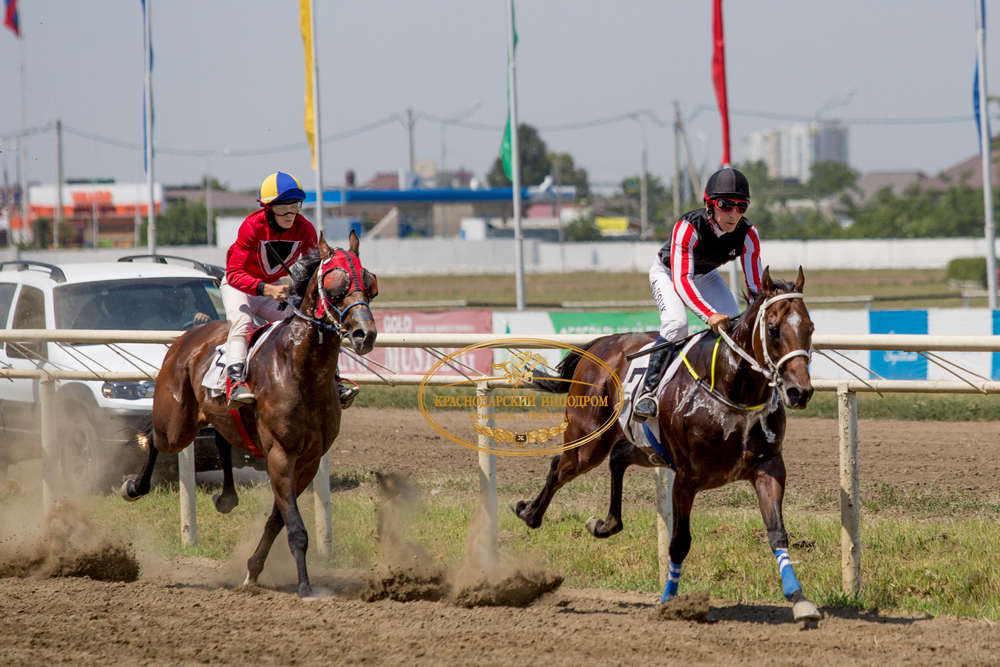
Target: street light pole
x: 985, y: 153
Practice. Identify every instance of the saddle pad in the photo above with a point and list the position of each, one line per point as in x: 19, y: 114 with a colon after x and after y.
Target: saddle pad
x: 215, y: 376
x: 632, y: 385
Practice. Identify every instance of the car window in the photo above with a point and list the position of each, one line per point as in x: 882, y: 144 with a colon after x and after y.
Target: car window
x: 163, y: 304
x: 6, y: 299
x: 29, y: 314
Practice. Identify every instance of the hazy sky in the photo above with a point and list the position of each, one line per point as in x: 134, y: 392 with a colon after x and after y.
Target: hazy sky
x: 230, y: 75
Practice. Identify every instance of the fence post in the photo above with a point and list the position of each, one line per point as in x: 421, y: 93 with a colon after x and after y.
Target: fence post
x: 321, y: 495
x: 189, y: 515
x: 850, y: 506
x: 50, y: 454
x: 664, y: 518
x: 488, y: 467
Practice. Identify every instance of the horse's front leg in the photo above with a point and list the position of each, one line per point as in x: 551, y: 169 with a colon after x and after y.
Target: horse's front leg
x: 770, y: 485
x: 226, y: 501
x: 285, y: 483
x: 680, y: 538
x: 623, y: 455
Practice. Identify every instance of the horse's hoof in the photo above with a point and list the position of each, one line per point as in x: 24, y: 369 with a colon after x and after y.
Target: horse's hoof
x: 224, y: 504
x: 129, y: 494
x: 516, y: 506
x: 305, y: 592
x: 804, y: 610
x: 594, y: 524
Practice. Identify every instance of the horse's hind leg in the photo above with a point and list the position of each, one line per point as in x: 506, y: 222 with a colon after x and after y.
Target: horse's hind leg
x: 770, y: 485
x: 226, y: 501
x: 255, y: 564
x: 623, y: 455
x: 133, y: 489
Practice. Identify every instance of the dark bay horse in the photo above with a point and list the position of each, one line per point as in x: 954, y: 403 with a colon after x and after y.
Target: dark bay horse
x: 297, y: 414
x: 711, y: 436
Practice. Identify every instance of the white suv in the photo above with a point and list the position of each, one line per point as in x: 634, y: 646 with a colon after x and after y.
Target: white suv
x: 96, y: 418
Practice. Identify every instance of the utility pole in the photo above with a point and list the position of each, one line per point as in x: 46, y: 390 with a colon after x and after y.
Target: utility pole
x: 643, y: 200
x: 677, y: 160
x: 208, y: 203
x: 24, y: 150
x: 58, y: 217
x: 409, y: 136
x: 151, y: 201
x: 985, y: 153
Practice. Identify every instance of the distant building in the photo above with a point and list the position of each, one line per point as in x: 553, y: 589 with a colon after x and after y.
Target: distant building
x: 113, y: 209
x: 791, y: 151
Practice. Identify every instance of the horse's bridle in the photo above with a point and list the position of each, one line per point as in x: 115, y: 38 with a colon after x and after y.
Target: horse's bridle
x: 354, y: 284
x: 771, y: 369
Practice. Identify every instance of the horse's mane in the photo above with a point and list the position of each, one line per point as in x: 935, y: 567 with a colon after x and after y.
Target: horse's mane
x: 780, y: 287
x: 302, y: 270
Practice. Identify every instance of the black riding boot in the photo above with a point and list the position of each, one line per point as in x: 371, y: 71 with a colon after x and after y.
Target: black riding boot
x: 645, y: 406
x: 346, y: 392
x: 239, y: 392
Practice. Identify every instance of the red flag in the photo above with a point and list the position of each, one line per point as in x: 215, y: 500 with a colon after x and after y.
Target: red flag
x: 10, y: 17
x: 719, y: 76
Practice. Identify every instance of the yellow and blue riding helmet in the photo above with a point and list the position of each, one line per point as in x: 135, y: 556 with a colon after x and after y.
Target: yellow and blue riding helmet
x: 280, y: 188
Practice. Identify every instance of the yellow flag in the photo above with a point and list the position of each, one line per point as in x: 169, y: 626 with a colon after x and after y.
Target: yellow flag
x: 305, y: 21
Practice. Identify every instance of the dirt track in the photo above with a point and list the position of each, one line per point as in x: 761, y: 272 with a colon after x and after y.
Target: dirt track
x: 189, y: 611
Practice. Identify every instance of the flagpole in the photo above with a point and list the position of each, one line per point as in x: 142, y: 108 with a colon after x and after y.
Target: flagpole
x: 317, y: 136
x: 985, y: 153
x: 151, y: 201
x: 515, y: 161
x: 24, y: 150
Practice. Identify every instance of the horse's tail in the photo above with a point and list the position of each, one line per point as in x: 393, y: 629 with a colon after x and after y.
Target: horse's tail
x: 142, y: 437
x: 558, y: 384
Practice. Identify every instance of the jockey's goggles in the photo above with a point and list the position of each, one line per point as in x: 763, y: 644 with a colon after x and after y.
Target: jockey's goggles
x: 285, y: 209
x: 726, y: 205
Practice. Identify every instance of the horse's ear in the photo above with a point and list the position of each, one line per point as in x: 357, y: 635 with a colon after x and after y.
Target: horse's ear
x: 354, y: 242
x: 766, y: 284
x: 800, y: 281
x: 324, y: 250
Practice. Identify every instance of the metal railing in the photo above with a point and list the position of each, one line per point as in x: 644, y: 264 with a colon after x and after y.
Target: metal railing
x: 846, y: 392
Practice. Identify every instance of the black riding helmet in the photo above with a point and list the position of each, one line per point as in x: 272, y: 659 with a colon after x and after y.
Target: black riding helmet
x: 727, y: 182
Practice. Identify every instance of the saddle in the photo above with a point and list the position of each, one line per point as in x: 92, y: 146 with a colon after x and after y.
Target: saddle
x: 646, y: 435
x: 215, y: 376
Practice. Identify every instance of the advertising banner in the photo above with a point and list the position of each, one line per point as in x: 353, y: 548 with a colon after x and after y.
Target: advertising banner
x: 415, y: 360
x: 893, y: 364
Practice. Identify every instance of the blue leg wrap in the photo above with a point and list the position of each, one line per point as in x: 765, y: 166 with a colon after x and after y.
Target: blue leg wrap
x: 673, y: 582
x: 789, y: 583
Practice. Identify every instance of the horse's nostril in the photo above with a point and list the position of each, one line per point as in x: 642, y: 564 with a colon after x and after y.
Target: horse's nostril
x: 794, y: 394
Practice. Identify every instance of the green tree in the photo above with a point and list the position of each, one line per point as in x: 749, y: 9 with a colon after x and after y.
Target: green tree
x: 566, y: 173
x: 216, y: 185
x: 182, y: 223
x: 534, y: 155
x: 583, y: 229
x: 829, y: 178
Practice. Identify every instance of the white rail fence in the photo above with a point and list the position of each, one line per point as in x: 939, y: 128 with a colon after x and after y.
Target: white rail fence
x: 846, y: 391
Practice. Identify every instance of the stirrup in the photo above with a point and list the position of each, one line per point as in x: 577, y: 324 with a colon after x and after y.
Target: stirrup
x: 347, y: 394
x: 639, y: 414
x: 240, y: 396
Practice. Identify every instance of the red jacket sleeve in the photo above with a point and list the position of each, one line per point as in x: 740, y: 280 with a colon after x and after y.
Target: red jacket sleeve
x: 682, y: 245
x: 240, y: 256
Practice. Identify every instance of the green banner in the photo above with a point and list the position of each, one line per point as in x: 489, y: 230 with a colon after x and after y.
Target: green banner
x: 612, y: 323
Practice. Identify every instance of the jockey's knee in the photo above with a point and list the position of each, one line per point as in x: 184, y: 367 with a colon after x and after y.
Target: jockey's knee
x: 673, y: 331
x: 240, y: 328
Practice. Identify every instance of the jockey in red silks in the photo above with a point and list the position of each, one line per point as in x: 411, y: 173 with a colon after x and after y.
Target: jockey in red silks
x: 685, y: 277
x: 274, y: 235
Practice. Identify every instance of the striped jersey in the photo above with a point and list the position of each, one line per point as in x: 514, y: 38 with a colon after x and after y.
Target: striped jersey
x: 696, y: 247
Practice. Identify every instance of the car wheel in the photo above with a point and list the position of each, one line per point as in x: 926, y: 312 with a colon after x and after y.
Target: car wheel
x: 85, y: 467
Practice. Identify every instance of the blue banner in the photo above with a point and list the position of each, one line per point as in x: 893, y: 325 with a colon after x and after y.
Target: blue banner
x: 894, y: 364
